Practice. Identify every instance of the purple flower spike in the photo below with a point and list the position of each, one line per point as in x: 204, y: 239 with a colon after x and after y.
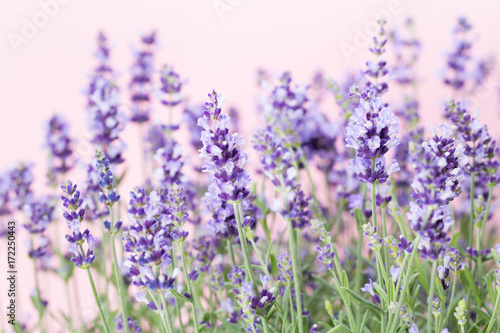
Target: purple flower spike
x: 224, y: 158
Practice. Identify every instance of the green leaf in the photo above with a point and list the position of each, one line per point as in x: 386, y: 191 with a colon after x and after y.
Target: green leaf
x: 483, y: 314
x: 325, y: 325
x: 492, y: 293
x: 181, y: 297
x: 273, y: 329
x: 466, y: 276
x: 365, y: 317
x: 372, y: 307
x: 381, y: 292
x: 335, y: 329
x: 359, y: 216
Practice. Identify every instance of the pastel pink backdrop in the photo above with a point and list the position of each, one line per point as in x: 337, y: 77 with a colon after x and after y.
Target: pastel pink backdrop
x: 50, y: 71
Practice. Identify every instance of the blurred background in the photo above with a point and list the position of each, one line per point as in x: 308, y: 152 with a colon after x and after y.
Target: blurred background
x: 47, y: 49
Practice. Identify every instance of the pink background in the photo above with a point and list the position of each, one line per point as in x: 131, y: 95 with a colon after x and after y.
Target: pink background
x: 50, y: 71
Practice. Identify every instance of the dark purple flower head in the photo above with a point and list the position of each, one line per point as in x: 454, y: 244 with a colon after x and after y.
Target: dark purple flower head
x: 60, y: 147
x: 222, y: 152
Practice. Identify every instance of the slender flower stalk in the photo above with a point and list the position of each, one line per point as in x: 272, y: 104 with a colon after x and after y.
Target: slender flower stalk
x: 109, y: 197
x: 73, y: 201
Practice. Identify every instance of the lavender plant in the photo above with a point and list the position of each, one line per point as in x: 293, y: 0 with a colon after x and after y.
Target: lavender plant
x: 221, y: 243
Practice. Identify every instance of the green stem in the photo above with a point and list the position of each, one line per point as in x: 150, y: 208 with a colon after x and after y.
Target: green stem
x: 285, y: 313
x: 293, y: 251
x: 359, y: 262
x: 165, y: 313
x: 101, y: 313
x: 471, y: 216
x: 480, y: 232
x: 290, y: 298
x: 238, y: 212
x: 162, y: 315
x: 265, y: 324
x: 39, y: 299
x: 431, y: 295
x: 385, y: 253
x: 405, y: 285
x: 262, y: 263
x: 177, y: 307
x: 190, y: 289
x: 231, y: 252
x: 450, y: 306
x: 493, y: 315
x: 118, y: 278
x: 350, y: 317
x: 374, y: 205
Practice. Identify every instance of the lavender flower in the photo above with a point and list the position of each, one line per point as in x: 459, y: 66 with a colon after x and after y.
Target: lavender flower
x: 438, y: 167
x: 108, y: 197
x: 372, y: 132
x: 74, y: 216
x: 60, y: 147
x: 480, y: 148
x: 104, y: 117
x: 20, y: 179
x: 133, y: 326
x: 39, y: 214
x: 221, y: 150
x: 141, y: 84
x: 147, y: 242
x: 368, y: 288
x: 285, y: 266
x: 171, y: 86
x: 377, y: 69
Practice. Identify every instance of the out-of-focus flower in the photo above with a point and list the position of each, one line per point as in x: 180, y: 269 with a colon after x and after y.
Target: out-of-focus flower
x: 60, y: 148
x: 141, y: 85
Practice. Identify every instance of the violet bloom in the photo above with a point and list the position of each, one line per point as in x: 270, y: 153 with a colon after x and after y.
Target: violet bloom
x: 407, y: 50
x: 368, y: 288
x: 20, y: 179
x: 108, y: 196
x: 458, y: 58
x: 190, y: 116
x: 171, y: 85
x: 205, y: 254
x: 480, y: 148
x: 39, y: 214
x: 60, y: 147
x: 438, y: 172
x: 285, y: 266
x: 377, y: 69
x: 222, y: 152
x: 74, y: 215
x: 141, y: 85
x: 147, y: 243
x: 104, y: 117
x: 133, y: 326
x: 372, y: 132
